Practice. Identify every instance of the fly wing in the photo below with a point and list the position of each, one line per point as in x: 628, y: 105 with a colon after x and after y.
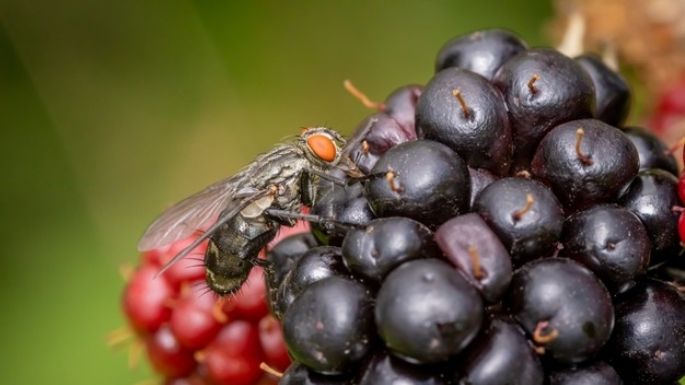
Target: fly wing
x: 243, y: 199
x: 193, y: 213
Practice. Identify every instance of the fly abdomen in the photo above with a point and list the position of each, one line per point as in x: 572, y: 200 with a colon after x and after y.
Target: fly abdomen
x: 233, y: 251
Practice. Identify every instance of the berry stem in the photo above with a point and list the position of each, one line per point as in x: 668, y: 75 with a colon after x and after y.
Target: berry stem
x: 359, y: 95
x: 543, y: 334
x: 518, y: 214
x: 475, y: 262
x: 531, y: 84
x: 584, y: 158
x: 218, y: 312
x: 135, y: 352
x: 390, y: 176
x: 119, y: 336
x: 365, y: 147
x: 460, y: 98
x: 268, y: 369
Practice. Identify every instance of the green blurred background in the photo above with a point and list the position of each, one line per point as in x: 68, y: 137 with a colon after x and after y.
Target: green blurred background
x: 112, y: 110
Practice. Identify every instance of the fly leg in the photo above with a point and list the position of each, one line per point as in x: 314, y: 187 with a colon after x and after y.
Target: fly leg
x: 326, y: 222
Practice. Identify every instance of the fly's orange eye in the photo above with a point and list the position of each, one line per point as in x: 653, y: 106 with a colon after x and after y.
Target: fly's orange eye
x: 323, y: 147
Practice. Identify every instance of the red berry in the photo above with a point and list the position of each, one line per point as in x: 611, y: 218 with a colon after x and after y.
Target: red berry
x: 167, y: 356
x: 146, y: 299
x: 273, y: 345
x: 681, y: 187
x: 250, y: 302
x: 189, y: 268
x: 234, y: 356
x: 193, y: 320
x: 670, y: 107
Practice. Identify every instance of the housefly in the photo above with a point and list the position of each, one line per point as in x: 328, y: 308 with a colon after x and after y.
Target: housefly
x: 242, y: 213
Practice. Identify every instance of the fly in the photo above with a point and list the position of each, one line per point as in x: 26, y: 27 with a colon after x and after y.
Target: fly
x: 245, y: 211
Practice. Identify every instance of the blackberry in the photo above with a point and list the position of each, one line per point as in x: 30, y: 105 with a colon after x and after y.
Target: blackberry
x: 463, y: 110
x: 476, y: 251
x: 500, y: 355
x: 651, y: 151
x: 647, y: 345
x: 609, y: 240
x: 542, y: 88
x: 384, y: 244
x: 426, y: 311
x: 612, y: 94
x: 524, y: 214
x: 329, y: 325
x: 585, y: 162
x: 499, y: 225
x: 598, y: 373
x: 482, y: 52
x: 567, y: 324
x: 652, y: 196
x: 423, y: 180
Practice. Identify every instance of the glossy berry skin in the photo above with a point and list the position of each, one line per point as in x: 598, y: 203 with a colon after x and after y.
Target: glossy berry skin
x: 611, y: 162
x: 470, y: 245
x: 612, y: 93
x: 609, y: 240
x: 145, y: 299
x: 500, y: 355
x: 273, y: 346
x: 167, y: 355
x: 329, y: 327
x: 597, y: 373
x: 345, y: 204
x: 647, y: 344
x: 385, y: 243
x: 478, y: 129
x: 542, y: 88
x: 652, y: 196
x: 234, y: 356
x: 192, y: 321
x: 316, y: 264
x: 480, y: 179
x: 298, y: 374
x: 423, y: 180
x: 652, y: 152
x: 426, y: 311
x: 401, y: 106
x: 527, y: 234
x: 546, y: 296
x: 250, y: 302
x: 283, y: 257
x: 482, y: 52
x: 681, y: 187
x: 384, y: 369
x: 374, y: 136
